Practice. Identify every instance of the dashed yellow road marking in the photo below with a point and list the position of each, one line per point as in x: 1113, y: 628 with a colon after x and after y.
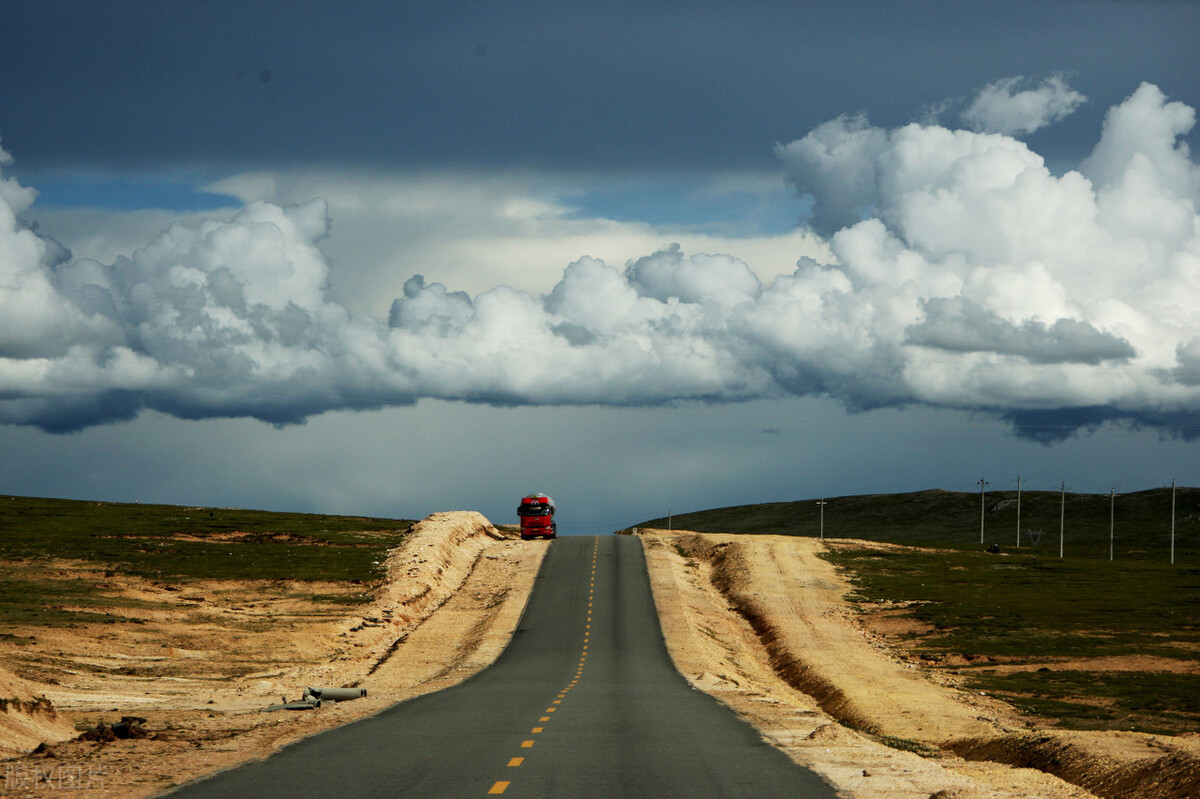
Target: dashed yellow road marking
x: 500, y: 786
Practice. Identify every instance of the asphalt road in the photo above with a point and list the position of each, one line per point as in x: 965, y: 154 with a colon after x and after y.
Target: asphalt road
x: 584, y: 702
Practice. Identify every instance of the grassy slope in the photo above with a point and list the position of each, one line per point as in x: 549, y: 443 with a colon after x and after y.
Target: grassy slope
x: 1027, y: 605
x: 1141, y: 521
x: 170, y: 543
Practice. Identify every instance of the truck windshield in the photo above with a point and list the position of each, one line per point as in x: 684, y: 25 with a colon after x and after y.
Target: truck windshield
x: 536, y: 509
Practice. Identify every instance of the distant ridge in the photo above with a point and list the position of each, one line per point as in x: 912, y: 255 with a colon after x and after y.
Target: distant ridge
x: 935, y: 517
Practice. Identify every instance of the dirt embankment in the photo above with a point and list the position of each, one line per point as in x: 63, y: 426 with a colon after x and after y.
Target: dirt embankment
x: 201, y: 661
x: 761, y: 622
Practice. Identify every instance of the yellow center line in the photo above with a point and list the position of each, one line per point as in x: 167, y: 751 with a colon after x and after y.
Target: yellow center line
x: 500, y: 786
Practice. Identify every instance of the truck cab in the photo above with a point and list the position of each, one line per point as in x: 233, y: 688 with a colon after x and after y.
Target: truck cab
x: 537, y: 517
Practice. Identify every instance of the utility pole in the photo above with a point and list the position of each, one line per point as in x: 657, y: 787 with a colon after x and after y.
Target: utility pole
x: 1062, y: 520
x: 982, y: 484
x: 822, y: 504
x: 1018, y: 511
x: 668, y: 520
x: 1172, y: 522
x: 1112, y: 493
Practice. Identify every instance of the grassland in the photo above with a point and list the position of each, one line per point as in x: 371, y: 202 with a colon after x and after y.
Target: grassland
x: 989, y: 616
x: 1140, y: 522
x: 1081, y: 641
x: 173, y: 544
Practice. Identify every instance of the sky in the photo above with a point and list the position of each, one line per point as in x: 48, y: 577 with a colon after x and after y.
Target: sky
x: 396, y: 258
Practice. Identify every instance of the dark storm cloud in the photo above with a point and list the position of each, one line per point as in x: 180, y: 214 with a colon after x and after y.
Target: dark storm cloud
x: 597, y: 85
x: 1054, y: 425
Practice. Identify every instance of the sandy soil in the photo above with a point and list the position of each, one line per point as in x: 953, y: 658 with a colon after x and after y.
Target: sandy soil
x: 205, y: 660
x: 761, y: 623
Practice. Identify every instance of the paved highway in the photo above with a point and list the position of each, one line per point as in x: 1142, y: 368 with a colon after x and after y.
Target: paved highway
x: 584, y: 702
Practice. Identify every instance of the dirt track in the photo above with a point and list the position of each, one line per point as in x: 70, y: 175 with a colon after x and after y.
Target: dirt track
x: 760, y: 622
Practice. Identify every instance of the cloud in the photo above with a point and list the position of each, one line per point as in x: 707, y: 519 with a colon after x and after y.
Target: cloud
x: 837, y: 165
x: 1001, y: 107
x: 477, y: 231
x: 956, y: 324
x: 960, y: 273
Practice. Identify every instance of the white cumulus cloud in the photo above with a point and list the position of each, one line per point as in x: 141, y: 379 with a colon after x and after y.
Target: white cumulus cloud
x: 961, y: 273
x: 1003, y: 107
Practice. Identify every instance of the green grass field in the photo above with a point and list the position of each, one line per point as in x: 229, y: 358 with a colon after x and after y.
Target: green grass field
x: 1025, y: 609
x: 171, y: 544
x: 1026, y: 605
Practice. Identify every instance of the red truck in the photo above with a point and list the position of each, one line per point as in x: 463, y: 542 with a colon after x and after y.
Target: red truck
x: 537, y: 517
